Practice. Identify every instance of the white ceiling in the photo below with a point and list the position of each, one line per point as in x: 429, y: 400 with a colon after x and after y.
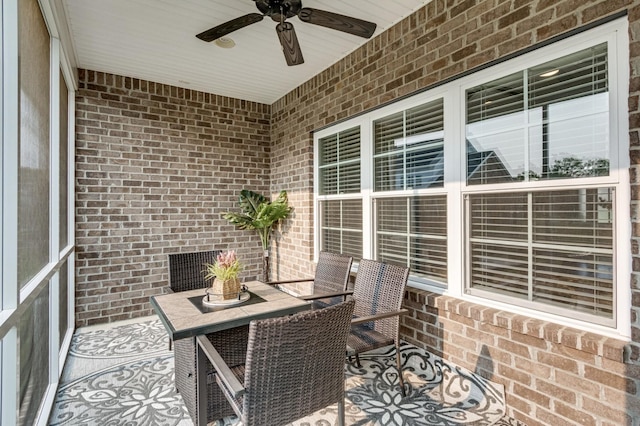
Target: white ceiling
x: 155, y: 40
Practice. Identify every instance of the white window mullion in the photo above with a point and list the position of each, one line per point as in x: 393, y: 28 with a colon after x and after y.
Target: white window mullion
x: 526, y: 128
x: 409, y: 230
x: 366, y: 182
x: 530, y: 244
x: 454, y: 176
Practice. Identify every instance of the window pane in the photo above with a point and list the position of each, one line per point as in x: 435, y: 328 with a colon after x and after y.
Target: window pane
x: 33, y: 172
x: 329, y: 180
x: 340, y: 162
x: 501, y: 216
x: 412, y: 231
x: 64, y: 183
x: 572, y: 115
x: 389, y: 172
x: 34, y: 357
x: 342, y: 227
x: 500, y: 269
x: 549, y: 247
x: 575, y: 280
x: 349, y: 180
x: 579, y: 217
x: 562, y: 133
x: 409, y: 148
x: 329, y: 150
x: 494, y: 132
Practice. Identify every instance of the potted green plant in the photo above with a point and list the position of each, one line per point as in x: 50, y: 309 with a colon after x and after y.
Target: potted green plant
x: 261, y: 214
x: 224, y: 275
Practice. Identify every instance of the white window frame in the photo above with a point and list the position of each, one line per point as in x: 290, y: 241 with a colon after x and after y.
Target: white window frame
x: 455, y: 187
x: 14, y: 301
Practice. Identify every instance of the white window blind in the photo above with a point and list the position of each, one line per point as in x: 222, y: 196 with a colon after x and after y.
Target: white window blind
x: 550, y: 247
x: 409, y: 148
x: 412, y: 231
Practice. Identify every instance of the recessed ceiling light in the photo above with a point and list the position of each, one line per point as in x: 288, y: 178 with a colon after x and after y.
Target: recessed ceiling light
x: 550, y: 73
x: 225, y: 42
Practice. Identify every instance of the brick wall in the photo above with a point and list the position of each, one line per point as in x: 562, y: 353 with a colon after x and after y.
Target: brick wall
x: 553, y: 375
x: 156, y: 166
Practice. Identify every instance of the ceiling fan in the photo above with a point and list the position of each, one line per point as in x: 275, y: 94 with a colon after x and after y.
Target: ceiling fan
x: 280, y: 11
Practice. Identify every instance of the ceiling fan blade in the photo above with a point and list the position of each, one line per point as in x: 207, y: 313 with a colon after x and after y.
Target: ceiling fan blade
x: 289, y: 42
x: 229, y: 27
x: 338, y: 22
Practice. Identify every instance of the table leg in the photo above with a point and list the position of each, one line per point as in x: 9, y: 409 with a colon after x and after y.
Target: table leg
x: 193, y: 374
x: 201, y: 388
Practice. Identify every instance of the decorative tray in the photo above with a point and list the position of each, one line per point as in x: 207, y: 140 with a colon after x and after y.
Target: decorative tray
x: 215, y: 300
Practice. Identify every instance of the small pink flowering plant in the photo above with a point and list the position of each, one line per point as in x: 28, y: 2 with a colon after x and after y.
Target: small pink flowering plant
x: 226, y: 267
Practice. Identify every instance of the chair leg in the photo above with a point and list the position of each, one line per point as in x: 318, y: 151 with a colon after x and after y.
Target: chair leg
x: 358, y: 361
x: 341, y: 412
x: 399, y: 366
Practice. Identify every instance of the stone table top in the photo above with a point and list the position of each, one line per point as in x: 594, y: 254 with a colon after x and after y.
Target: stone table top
x: 182, y: 318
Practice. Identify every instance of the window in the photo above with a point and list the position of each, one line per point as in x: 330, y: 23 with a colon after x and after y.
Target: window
x: 506, y: 187
x: 550, y: 247
x: 409, y: 155
x: 550, y: 121
x: 340, y: 218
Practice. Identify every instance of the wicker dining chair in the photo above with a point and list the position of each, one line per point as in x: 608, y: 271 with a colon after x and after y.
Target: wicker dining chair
x: 331, y: 280
x: 378, y: 292
x: 186, y: 270
x: 294, y: 366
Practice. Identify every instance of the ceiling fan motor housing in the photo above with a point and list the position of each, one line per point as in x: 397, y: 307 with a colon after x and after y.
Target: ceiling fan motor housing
x: 276, y: 8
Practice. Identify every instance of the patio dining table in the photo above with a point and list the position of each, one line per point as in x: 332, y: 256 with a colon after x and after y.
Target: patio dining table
x: 185, y: 316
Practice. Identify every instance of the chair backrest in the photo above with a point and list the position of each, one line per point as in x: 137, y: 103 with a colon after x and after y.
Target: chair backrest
x: 332, y: 273
x: 380, y: 287
x: 295, y: 364
x: 186, y: 270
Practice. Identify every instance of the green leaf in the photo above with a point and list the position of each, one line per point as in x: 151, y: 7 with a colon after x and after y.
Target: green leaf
x: 260, y: 214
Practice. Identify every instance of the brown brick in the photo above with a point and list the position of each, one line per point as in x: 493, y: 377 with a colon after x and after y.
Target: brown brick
x: 538, y: 398
x: 552, y: 389
x: 559, y: 362
x: 577, y: 415
x: 615, y: 381
x: 537, y: 370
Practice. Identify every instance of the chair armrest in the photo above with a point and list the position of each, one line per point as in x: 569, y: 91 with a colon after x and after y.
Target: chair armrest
x: 222, y: 369
x: 381, y: 315
x: 324, y: 295
x: 301, y: 280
